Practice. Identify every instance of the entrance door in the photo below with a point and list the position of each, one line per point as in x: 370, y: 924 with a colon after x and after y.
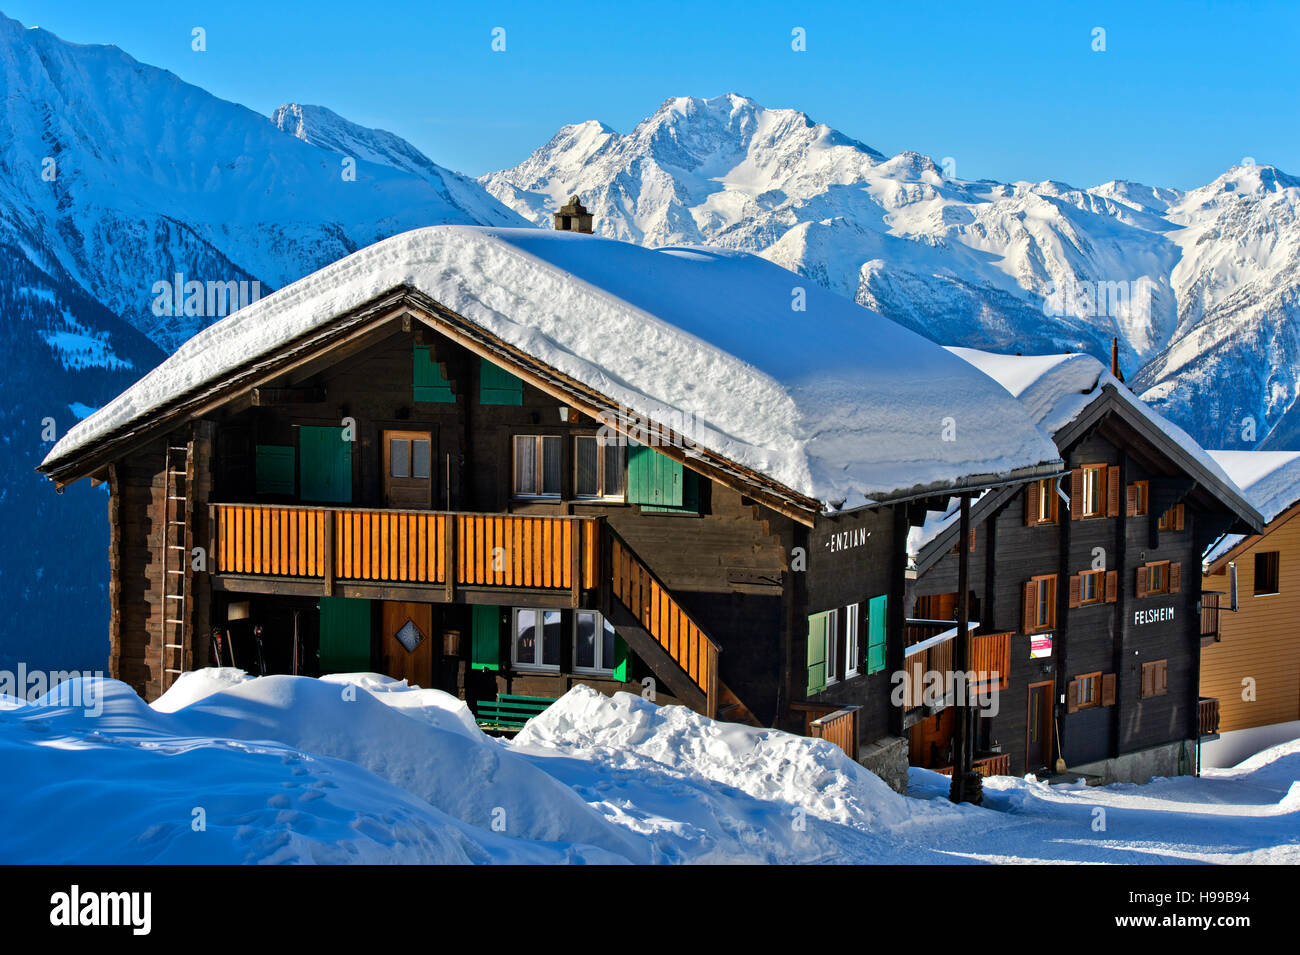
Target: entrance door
x: 408, y: 642
x: 408, y: 468
x: 1038, y: 727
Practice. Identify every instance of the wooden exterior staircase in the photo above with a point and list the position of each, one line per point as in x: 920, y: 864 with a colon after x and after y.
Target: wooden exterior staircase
x: 663, y: 634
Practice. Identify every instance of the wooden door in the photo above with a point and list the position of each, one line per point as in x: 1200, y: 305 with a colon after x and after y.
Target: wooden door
x: 408, y: 642
x: 1038, y: 727
x: 408, y: 468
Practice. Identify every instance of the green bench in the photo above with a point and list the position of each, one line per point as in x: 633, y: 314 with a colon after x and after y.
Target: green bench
x: 508, y: 713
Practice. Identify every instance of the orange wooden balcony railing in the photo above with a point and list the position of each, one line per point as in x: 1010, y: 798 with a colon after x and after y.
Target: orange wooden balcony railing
x: 1207, y: 715
x: 990, y: 654
x: 996, y: 764
x: 402, y: 546
x: 840, y: 728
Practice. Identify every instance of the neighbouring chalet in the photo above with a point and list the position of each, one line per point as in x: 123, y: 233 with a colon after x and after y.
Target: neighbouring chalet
x: 1250, y: 659
x: 501, y: 462
x: 1085, y: 590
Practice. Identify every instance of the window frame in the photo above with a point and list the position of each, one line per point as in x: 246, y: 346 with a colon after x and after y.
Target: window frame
x: 539, y: 466
x: 1099, y: 497
x: 1047, y: 497
x: 1093, y: 682
x: 833, y: 646
x: 601, y: 470
x: 1276, y: 574
x: 539, y: 625
x: 1155, y: 666
x: 1144, y: 498
x: 852, y: 640
x: 601, y: 623
x: 1163, y: 567
x: 1044, y: 582
x: 1098, y: 577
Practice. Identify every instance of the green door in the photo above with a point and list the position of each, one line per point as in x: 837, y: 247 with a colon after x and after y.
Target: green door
x: 344, y: 635
x: 324, y: 465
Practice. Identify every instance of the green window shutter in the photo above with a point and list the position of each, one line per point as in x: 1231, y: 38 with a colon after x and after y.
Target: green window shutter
x: 486, y: 649
x: 622, y: 660
x: 429, y: 384
x: 324, y: 465
x: 496, y: 386
x: 877, y: 618
x: 658, y: 483
x: 817, y: 652
x: 275, y: 469
x: 344, y: 635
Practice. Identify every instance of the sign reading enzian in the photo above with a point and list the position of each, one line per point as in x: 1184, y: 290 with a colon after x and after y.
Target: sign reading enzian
x: 847, y: 539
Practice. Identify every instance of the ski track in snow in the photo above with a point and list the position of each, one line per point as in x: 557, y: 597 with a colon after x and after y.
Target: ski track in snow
x: 361, y: 768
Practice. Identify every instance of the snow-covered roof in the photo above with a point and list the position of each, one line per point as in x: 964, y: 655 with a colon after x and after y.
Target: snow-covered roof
x: 1269, y: 479
x: 1056, y: 389
x: 830, y: 400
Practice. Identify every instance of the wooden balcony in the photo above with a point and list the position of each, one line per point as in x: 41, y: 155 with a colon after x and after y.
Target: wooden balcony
x: 840, y: 728
x: 1212, y: 604
x: 990, y: 653
x: 1207, y: 717
x: 321, y: 549
x: 995, y: 764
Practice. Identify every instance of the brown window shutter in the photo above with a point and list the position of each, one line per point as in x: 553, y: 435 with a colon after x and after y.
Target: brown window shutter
x: 1072, y: 697
x: 1108, y: 689
x: 1162, y: 676
x: 1076, y: 586
x: 1031, y: 505
x: 1134, y: 495
x: 1178, y: 518
x: 1051, y: 602
x: 972, y: 540
x: 1175, y: 577
x: 1076, y: 494
x: 1112, y: 586
x: 1112, y: 491
x: 1141, y: 590
x: 1031, y: 607
x: 1148, y: 672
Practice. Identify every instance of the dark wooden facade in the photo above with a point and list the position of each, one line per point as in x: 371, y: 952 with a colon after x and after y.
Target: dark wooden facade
x: 1122, y: 672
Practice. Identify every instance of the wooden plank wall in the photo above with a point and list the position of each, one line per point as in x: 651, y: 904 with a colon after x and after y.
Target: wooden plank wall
x: 1260, y: 641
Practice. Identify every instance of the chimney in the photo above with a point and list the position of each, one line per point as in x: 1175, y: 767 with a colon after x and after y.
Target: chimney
x: 573, y: 217
x: 1114, y: 359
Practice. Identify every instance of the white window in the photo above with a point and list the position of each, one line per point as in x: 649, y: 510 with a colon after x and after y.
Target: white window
x: 832, y: 647
x: 538, y: 465
x: 535, y: 640
x: 851, y: 640
x: 593, y: 643
x: 600, y: 468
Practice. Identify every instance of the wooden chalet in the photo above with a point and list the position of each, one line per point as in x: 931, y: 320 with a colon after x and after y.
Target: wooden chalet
x: 1250, y: 651
x: 1085, y: 591
x: 425, y: 461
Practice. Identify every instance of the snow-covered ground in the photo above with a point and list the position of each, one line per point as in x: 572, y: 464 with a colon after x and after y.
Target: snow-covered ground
x: 359, y: 768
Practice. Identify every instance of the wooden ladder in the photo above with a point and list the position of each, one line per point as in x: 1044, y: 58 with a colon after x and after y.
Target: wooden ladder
x: 174, y: 642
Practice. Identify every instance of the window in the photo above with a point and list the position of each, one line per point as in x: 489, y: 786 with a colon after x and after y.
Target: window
x: 1092, y: 586
x: 1094, y: 490
x: 594, y: 641
x: 600, y: 468
x: 1138, y: 493
x: 1155, y: 678
x: 1158, y: 577
x: 537, y: 465
x: 833, y: 647
x: 1087, y: 690
x: 851, y: 641
x: 1172, y: 519
x: 1040, y: 603
x: 1041, y: 503
x: 407, y: 468
x: 1046, y: 502
x: 1266, y: 573
x: 535, y: 639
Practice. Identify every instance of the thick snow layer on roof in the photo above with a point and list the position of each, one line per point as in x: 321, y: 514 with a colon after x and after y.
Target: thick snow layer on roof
x: 936, y: 522
x: 1055, y: 390
x: 833, y: 401
x: 1269, y: 479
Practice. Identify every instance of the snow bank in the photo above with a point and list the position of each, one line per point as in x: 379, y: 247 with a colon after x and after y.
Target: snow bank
x: 831, y: 400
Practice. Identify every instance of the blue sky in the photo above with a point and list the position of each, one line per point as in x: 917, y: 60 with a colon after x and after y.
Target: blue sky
x: 1009, y: 91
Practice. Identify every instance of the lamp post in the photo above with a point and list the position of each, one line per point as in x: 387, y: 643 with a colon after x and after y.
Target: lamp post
x: 966, y: 785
